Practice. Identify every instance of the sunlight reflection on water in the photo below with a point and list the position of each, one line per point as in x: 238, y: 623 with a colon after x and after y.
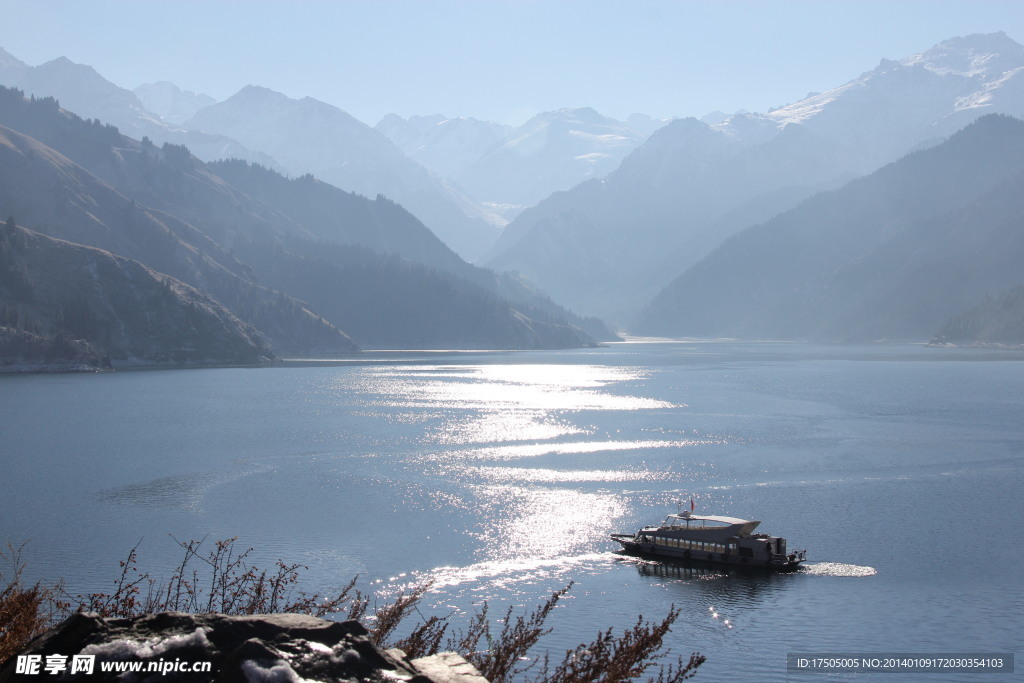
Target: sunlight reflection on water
x: 514, y: 576
x: 542, y: 522
x: 506, y: 387
x: 508, y: 425
x: 504, y: 412
x: 539, y: 449
x: 549, y: 476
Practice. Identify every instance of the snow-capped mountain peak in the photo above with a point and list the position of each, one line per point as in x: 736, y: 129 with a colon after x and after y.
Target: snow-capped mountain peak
x: 984, y: 55
x: 927, y: 95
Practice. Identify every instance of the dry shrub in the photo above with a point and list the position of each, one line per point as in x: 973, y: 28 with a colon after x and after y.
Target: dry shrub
x: 387, y: 618
x: 611, y: 658
x: 222, y: 581
x: 517, y: 637
x: 24, y: 610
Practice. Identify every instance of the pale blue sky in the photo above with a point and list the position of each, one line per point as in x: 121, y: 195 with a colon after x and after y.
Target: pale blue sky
x: 501, y: 60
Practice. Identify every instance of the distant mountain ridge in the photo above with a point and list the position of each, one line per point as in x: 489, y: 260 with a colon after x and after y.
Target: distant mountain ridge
x: 172, y: 104
x: 332, y: 215
x: 309, y: 136
x: 445, y: 145
x: 506, y: 168
x: 898, y: 105
x: 164, y: 208
x: 81, y: 89
x: 892, y: 255
x: 511, y: 168
x: 605, y: 248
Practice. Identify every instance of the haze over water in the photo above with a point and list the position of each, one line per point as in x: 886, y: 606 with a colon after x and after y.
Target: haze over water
x: 500, y: 475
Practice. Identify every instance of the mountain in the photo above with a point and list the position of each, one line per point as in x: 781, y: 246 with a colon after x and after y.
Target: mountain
x: 550, y: 152
x: 900, y: 105
x: 11, y: 66
x: 644, y: 125
x: 606, y: 247
x: 164, y: 208
x: 327, y: 213
x: 54, y: 195
x: 172, y: 104
x: 513, y: 168
x: 80, y: 89
x: 446, y: 146
x: 334, y: 216
x: 87, y: 299
x: 309, y: 136
x: 389, y: 302
x: 892, y: 255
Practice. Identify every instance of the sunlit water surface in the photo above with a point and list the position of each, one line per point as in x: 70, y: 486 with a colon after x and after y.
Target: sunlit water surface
x: 498, y: 477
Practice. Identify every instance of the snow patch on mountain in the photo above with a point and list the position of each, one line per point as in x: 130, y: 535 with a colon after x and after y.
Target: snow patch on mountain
x: 172, y: 104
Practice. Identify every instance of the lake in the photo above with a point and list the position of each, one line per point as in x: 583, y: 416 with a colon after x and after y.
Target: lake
x: 500, y: 475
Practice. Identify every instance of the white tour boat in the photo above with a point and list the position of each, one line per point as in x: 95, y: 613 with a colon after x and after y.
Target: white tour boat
x: 713, y: 539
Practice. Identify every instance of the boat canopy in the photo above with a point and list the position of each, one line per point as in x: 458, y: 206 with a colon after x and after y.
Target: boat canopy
x: 712, y: 518
x: 689, y: 523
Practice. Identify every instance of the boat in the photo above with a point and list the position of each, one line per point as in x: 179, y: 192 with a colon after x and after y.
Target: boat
x: 715, y: 540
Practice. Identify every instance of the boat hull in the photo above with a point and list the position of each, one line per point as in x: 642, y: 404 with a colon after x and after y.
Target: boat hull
x: 776, y: 564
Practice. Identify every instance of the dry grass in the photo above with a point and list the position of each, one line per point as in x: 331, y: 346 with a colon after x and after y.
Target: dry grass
x: 222, y: 580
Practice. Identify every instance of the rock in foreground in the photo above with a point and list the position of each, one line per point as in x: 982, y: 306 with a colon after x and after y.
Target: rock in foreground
x: 174, y: 646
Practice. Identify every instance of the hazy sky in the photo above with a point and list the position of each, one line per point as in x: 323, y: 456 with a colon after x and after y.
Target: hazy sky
x: 502, y: 60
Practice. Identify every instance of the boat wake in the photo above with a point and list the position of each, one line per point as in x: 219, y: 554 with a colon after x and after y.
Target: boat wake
x: 504, y: 574
x: 836, y: 569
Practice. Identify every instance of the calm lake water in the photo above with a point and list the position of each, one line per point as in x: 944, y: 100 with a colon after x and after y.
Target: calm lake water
x: 500, y: 475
